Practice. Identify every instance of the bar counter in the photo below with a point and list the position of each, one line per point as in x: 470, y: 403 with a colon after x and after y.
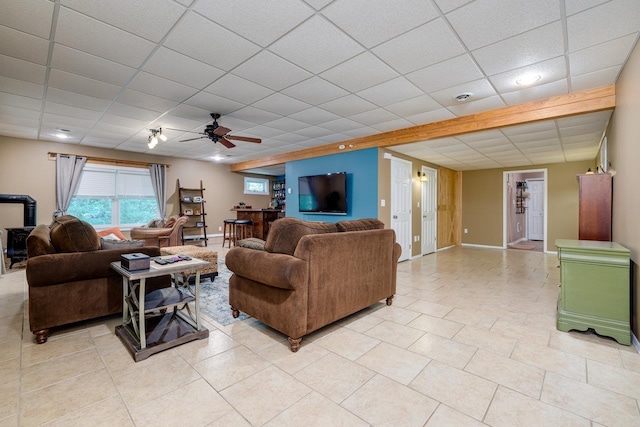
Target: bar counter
x: 261, y: 218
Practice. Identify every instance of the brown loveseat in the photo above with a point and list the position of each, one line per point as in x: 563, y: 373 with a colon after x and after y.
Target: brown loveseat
x: 312, y: 274
x: 167, y: 234
x: 70, y: 278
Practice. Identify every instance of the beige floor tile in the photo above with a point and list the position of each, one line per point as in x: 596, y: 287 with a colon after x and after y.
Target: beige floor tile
x: 614, y: 379
x: 447, y: 417
x: 61, y: 346
x: 316, y: 410
x: 486, y: 340
x: 10, y: 349
x: 334, y: 377
x: 361, y: 324
x: 631, y: 360
x: 348, y: 343
x: 9, y: 371
x: 197, y: 399
x: 581, y: 346
x: 59, y: 369
x: 393, y: 362
x: 10, y: 421
x: 473, y: 318
x: 393, y: 333
x: 198, y: 350
x: 225, y: 369
x: 9, y: 394
x: 144, y: 384
x: 444, y: 350
x: 396, y: 314
x: 281, y: 356
x: 258, y: 339
x: 402, y: 301
x: 551, y: 360
x: 233, y: 419
x: 526, y: 379
x: 510, y: 408
x: 119, y: 361
x: 588, y: 401
x: 382, y: 401
x: 437, y: 326
x: 521, y: 332
x: 430, y: 308
x: 110, y: 412
x: 50, y: 403
x: 461, y: 390
x: 264, y: 395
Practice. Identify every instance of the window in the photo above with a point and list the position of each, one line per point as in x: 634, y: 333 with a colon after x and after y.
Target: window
x: 114, y: 196
x: 258, y: 186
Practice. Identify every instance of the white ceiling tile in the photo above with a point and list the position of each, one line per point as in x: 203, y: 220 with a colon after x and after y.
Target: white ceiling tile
x: 373, y: 117
x: 126, y: 122
x: 265, y: 132
x: 314, y: 116
x: 213, y: 103
x: 410, y: 107
x: 602, y: 56
x: 431, y: 116
x: 158, y: 86
x: 537, y: 93
x: 318, y: 4
x: 290, y: 138
x: 87, y: 65
x: 372, y: 22
x: 622, y: 17
x: 67, y: 122
x: 495, y: 149
x: 239, y: 124
x: 600, y: 78
x: 474, y: 107
x: 255, y: 115
x: 487, y: 143
x: 281, y: 104
x: 77, y: 100
x: 174, y: 122
x: 124, y: 110
x: 361, y: 132
x: 316, y: 45
x: 13, y: 100
x: 20, y: 87
x: 534, y: 136
x: 549, y: 71
x: 479, y: 89
x: 16, y: 123
x: 23, y: 46
x: 584, y: 129
x: 71, y: 111
x: 313, y: 132
x: 341, y: 125
x: 144, y: 100
x: 238, y: 89
x: 451, y: 72
x: 22, y: 70
x: 271, y: 71
x: 315, y: 91
x: 392, y: 125
x: 484, y: 22
x: 426, y: 45
x: 448, y: 5
x: 181, y: 68
x: 123, y: 131
x: 349, y: 76
x: 396, y: 90
x: 259, y: 21
x: 574, y: 6
x: 334, y: 137
x: 582, y: 119
x: 82, y: 85
x: 481, y: 136
x: 31, y: 16
x: 192, y: 113
x: 533, y: 46
x: 97, y: 38
x: 199, y: 38
x: 151, y: 19
x: 347, y: 105
x: 287, y: 124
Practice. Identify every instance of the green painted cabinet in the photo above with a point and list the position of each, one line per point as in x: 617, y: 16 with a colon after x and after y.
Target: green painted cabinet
x: 595, y: 291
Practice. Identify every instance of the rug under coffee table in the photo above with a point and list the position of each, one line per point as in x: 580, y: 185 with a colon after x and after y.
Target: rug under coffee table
x: 200, y: 252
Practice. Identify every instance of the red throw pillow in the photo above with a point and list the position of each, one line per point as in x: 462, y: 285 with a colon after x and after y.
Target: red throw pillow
x: 114, y: 230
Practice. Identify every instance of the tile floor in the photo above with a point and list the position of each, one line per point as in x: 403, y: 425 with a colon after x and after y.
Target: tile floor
x: 470, y: 340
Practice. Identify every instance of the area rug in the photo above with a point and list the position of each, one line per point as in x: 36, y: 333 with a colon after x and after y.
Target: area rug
x: 523, y: 247
x: 214, y: 297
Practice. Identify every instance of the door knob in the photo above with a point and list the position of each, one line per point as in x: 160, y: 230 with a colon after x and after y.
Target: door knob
x: 395, y: 217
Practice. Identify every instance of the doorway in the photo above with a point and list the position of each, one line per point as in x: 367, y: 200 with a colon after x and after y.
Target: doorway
x: 525, y: 210
x: 429, y: 181
x: 401, y: 204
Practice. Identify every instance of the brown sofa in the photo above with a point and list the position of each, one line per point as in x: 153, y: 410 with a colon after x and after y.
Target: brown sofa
x: 312, y: 274
x: 70, y: 278
x: 167, y: 234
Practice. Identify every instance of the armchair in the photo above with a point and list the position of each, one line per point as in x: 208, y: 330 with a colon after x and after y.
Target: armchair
x: 168, y: 235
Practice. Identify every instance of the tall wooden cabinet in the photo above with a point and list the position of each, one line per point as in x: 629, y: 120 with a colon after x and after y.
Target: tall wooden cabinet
x: 594, y: 214
x: 192, y: 205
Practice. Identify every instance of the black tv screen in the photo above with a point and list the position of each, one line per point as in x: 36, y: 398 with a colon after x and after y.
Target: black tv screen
x: 325, y: 194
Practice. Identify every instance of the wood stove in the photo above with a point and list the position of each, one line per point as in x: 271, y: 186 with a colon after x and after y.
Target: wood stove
x: 17, y: 236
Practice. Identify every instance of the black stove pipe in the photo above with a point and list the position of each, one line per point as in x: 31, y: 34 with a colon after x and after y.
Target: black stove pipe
x: 29, y: 206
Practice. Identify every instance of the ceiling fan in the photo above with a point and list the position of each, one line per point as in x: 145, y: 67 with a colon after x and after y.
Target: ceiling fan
x: 218, y: 133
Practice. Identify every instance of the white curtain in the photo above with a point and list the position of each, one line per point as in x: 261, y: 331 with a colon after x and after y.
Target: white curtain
x: 159, y: 182
x: 68, y: 170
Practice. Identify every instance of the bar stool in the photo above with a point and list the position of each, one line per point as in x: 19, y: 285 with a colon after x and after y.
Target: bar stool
x: 229, y: 231
x: 244, y: 229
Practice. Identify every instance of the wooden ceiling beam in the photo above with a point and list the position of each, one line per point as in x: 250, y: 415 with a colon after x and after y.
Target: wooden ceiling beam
x: 553, y: 108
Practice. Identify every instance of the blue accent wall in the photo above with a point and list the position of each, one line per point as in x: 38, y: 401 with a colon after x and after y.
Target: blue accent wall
x: 362, y: 183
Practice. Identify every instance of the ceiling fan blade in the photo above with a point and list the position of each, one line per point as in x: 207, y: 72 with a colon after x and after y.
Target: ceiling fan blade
x: 227, y: 143
x: 221, y: 131
x: 244, y: 138
x: 192, y: 139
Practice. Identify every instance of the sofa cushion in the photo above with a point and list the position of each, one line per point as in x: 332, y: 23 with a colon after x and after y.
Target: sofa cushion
x: 113, y: 230
x: 120, y: 244
x: 39, y: 242
x: 360, y: 224
x: 285, y: 233
x: 252, y: 243
x: 70, y: 234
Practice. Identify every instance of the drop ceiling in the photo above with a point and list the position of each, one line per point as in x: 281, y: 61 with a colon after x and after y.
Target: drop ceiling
x: 302, y: 74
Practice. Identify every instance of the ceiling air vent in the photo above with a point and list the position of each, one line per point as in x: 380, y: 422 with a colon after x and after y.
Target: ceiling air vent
x: 463, y: 97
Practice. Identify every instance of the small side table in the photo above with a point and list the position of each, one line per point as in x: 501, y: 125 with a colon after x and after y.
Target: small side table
x: 162, y: 319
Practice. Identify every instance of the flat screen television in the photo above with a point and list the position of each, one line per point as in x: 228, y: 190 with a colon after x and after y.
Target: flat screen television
x: 323, y: 194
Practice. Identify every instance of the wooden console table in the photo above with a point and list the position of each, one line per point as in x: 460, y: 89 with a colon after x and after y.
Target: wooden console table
x: 162, y: 319
x: 261, y: 219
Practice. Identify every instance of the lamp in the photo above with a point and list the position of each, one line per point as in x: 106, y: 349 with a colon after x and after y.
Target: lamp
x: 153, y: 138
x: 423, y: 177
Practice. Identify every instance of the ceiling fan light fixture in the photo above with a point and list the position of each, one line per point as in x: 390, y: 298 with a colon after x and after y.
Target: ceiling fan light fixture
x: 528, y: 79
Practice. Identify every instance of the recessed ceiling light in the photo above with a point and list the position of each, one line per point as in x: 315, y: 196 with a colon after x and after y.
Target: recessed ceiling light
x: 217, y: 157
x: 528, y: 79
x: 62, y: 133
x: 463, y: 97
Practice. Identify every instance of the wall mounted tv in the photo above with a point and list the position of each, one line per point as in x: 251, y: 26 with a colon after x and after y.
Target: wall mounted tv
x: 323, y: 194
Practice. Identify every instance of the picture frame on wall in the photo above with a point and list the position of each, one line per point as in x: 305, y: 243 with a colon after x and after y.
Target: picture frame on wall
x: 197, y: 199
x: 186, y: 199
x: 188, y: 211
x: 199, y: 224
x: 197, y: 212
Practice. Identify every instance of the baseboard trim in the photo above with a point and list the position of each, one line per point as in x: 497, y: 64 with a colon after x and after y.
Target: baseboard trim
x: 635, y: 342
x: 445, y: 248
x: 472, y: 245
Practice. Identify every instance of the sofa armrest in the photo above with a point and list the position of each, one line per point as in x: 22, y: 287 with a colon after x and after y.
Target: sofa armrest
x: 46, y: 270
x: 276, y: 270
x: 142, y: 233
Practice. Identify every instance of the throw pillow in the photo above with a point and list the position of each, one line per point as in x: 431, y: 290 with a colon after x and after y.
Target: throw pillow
x: 252, y: 243
x: 120, y: 244
x: 71, y: 234
x: 114, y: 230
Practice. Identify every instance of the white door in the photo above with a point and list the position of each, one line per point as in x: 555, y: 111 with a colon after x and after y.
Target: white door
x: 401, y: 204
x: 429, y: 210
x: 535, y: 209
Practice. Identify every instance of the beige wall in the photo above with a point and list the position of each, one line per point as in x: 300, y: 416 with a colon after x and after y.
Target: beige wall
x: 624, y: 157
x: 482, y: 203
x: 25, y: 169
